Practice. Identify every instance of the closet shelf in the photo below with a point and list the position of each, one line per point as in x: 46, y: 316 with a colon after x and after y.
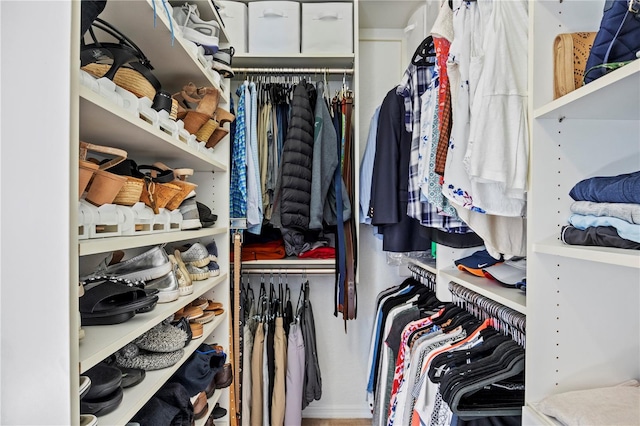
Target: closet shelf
x: 510, y: 297
x: 174, y: 65
x: 298, y: 60
x: 103, y: 123
x: 427, y: 265
x: 103, y: 245
x: 137, y: 396
x: 289, y: 263
x: 611, y: 97
x: 531, y: 416
x: 608, y: 255
x: 102, y: 341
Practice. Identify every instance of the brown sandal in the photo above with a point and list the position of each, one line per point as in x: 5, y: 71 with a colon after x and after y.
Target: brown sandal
x: 206, y: 100
x: 216, y: 137
x: 105, y: 186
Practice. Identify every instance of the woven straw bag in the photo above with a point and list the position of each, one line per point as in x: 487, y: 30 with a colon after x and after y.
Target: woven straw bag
x: 570, y: 54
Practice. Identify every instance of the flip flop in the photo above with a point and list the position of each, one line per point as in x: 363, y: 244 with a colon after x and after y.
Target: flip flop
x: 108, y: 301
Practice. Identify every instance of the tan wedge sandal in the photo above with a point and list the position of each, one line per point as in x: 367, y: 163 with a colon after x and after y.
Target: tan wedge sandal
x: 105, y: 186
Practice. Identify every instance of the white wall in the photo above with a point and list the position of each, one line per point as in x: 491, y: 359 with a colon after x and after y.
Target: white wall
x: 35, y: 188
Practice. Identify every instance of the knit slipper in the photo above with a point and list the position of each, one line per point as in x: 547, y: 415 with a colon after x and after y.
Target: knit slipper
x: 162, y: 338
x: 133, y: 357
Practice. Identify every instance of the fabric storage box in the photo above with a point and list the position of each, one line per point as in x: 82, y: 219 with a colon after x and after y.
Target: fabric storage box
x: 234, y: 15
x: 274, y: 27
x: 327, y: 28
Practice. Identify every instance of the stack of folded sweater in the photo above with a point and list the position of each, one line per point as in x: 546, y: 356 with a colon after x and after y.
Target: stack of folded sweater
x: 606, y: 212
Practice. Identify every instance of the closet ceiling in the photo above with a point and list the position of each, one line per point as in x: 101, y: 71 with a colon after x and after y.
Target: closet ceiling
x: 386, y: 14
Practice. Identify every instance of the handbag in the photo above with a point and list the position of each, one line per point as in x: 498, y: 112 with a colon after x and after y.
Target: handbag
x: 618, y: 39
x: 570, y: 54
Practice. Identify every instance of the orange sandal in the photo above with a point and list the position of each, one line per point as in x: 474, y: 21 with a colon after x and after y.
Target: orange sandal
x: 216, y: 137
x: 206, y: 100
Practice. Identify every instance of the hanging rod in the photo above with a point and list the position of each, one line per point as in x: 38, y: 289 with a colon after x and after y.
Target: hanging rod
x: 289, y: 271
x: 293, y: 70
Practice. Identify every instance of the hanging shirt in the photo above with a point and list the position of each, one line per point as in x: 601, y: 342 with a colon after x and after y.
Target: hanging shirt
x: 366, y: 169
x: 254, y: 192
x: 496, y: 158
x: 238, y: 193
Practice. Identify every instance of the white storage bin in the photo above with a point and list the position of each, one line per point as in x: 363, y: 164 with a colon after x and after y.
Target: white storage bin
x: 234, y: 14
x: 274, y: 27
x: 327, y: 28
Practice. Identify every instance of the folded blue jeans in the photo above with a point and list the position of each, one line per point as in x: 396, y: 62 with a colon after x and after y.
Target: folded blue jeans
x: 624, y: 188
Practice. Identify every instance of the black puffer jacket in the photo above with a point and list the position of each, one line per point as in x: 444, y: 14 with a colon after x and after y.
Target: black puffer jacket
x: 296, y: 160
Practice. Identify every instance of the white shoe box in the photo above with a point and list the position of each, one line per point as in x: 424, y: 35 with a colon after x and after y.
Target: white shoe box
x: 274, y: 27
x: 327, y: 28
x: 234, y: 14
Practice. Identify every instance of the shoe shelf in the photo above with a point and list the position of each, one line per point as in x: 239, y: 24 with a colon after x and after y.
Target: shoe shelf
x: 298, y: 60
x: 104, y: 123
x: 510, y: 297
x: 103, y: 245
x: 212, y: 403
x: 611, y: 97
x: 174, y: 62
x: 531, y: 416
x: 101, y: 341
x: 608, y: 255
x: 137, y: 396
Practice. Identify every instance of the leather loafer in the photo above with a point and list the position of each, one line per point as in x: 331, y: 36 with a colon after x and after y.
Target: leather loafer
x: 200, y: 406
x: 224, y: 377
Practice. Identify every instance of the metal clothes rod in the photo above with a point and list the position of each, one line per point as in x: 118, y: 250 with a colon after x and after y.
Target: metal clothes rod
x: 293, y: 70
x: 289, y: 271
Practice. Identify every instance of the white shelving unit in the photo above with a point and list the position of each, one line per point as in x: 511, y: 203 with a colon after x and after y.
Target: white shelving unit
x: 509, y: 297
x: 101, y: 341
x: 136, y: 136
x: 104, y: 123
x: 136, y: 396
x: 572, y: 291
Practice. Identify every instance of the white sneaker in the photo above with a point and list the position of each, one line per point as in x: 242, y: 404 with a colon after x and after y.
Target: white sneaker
x: 205, y: 33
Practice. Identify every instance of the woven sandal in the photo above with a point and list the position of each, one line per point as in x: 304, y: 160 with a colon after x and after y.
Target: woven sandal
x: 104, y: 186
x: 205, y: 100
x: 122, y: 62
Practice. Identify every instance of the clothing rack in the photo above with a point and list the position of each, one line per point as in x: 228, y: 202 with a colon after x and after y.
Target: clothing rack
x: 425, y: 277
x: 290, y: 271
x: 293, y: 70
x: 506, y: 320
